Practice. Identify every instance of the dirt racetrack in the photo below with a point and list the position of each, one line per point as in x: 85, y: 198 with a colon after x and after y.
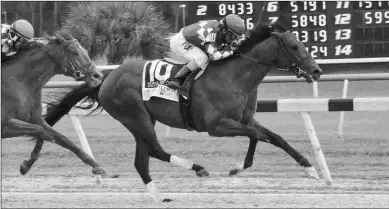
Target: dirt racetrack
x: 359, y: 163
x: 243, y: 191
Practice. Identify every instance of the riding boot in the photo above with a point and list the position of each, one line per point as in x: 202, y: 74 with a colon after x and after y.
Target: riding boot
x: 179, y: 78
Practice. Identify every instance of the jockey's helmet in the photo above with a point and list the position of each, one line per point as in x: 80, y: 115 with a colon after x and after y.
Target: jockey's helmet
x: 234, y: 24
x: 23, y: 29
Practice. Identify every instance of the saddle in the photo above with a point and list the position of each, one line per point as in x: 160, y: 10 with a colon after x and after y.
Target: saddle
x: 186, y: 102
x: 184, y: 97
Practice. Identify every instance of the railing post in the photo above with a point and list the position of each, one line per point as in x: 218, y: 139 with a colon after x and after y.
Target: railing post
x: 83, y: 140
x: 315, y: 89
x: 316, y: 148
x: 341, y: 119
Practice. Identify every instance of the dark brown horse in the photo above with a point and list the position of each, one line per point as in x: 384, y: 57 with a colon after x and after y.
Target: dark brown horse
x: 22, y: 80
x: 223, y: 100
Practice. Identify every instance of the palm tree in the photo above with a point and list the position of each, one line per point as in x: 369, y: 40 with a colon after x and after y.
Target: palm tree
x: 32, y: 6
x: 118, y: 29
x: 171, y: 10
x: 82, y: 21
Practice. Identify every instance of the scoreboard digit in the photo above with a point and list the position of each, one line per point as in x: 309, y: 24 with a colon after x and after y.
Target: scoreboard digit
x: 330, y: 30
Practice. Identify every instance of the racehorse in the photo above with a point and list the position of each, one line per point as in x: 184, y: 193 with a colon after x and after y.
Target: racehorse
x: 222, y: 101
x: 22, y: 80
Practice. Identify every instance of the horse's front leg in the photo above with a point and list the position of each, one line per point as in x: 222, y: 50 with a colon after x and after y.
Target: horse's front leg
x: 276, y: 140
x: 230, y: 127
x: 65, y: 142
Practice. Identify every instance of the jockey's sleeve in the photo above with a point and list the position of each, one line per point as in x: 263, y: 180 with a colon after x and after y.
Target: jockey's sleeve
x: 4, y: 31
x: 3, y: 35
x: 215, y: 54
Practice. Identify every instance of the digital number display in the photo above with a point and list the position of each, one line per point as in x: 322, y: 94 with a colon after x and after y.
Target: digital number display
x: 198, y: 11
x: 328, y: 29
x: 237, y: 8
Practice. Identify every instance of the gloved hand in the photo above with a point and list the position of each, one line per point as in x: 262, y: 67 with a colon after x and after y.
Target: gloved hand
x: 6, y: 47
x: 235, y: 44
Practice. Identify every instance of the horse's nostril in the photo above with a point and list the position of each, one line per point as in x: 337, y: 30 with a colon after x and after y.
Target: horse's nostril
x: 317, y: 72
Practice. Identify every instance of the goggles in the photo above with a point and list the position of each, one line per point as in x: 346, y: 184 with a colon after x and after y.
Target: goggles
x: 13, y: 36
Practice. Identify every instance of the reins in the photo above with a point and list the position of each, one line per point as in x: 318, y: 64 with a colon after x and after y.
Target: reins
x: 293, y: 67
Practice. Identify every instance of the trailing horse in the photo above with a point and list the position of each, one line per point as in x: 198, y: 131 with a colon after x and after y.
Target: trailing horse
x: 221, y: 102
x: 22, y: 80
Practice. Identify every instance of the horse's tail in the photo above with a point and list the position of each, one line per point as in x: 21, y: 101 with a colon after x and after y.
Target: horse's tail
x: 57, y: 109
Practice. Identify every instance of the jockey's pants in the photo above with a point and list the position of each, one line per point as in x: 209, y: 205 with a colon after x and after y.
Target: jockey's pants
x: 195, y: 56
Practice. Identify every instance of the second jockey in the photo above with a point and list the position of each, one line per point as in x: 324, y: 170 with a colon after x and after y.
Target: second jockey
x: 204, y: 41
x: 14, y: 36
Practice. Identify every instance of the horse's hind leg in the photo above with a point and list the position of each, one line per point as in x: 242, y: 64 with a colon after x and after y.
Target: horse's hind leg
x: 141, y: 126
x: 278, y: 141
x: 14, y: 128
x: 142, y: 154
x: 141, y: 163
x: 177, y: 161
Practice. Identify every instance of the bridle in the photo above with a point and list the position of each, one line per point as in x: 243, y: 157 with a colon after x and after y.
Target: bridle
x: 72, y: 70
x: 296, y: 69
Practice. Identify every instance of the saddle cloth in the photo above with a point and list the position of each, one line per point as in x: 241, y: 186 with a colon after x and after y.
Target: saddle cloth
x: 155, y: 73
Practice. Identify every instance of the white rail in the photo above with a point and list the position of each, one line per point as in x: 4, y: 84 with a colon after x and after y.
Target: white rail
x: 352, y: 60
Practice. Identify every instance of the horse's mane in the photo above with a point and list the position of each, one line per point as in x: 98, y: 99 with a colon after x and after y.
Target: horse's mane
x: 62, y: 32
x: 33, y: 44
x: 260, y: 33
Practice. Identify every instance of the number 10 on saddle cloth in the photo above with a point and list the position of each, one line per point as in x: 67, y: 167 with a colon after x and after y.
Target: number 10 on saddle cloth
x: 155, y: 73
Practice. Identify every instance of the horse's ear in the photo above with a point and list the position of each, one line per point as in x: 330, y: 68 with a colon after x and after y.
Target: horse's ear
x: 46, y: 36
x: 277, y: 27
x: 70, y: 35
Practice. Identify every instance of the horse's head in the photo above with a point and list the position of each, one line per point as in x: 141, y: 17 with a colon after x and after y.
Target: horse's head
x: 74, y: 59
x: 292, y: 55
x: 274, y: 46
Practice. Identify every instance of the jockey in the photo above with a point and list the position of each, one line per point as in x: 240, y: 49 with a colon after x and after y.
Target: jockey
x: 204, y: 41
x: 14, y: 36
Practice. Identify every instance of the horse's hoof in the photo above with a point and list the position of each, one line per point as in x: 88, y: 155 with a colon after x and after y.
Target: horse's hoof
x: 235, y: 169
x: 311, y: 173
x: 202, y: 173
x: 167, y: 200
x: 24, y: 168
x: 99, y: 171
